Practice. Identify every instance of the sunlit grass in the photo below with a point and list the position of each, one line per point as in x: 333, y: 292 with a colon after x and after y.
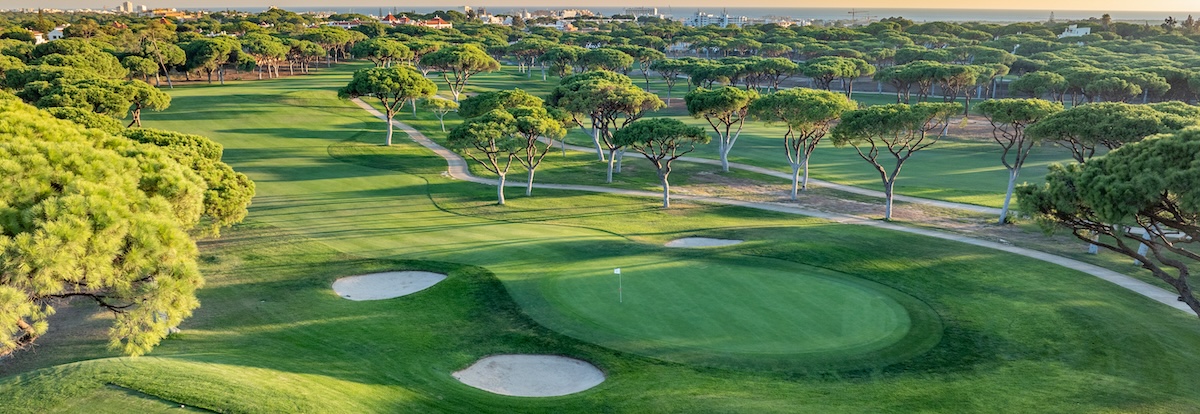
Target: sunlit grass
x: 1012, y: 334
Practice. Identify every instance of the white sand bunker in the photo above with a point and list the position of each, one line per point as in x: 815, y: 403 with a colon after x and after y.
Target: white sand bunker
x: 531, y: 375
x: 386, y: 285
x: 693, y: 242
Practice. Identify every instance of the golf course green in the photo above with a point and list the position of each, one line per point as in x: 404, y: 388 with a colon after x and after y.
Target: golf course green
x: 740, y: 311
x: 806, y: 315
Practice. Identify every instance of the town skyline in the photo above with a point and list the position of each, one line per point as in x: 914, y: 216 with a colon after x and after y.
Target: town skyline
x: 1030, y: 5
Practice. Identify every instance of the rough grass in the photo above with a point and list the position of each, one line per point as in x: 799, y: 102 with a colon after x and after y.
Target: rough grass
x: 958, y: 169
x: 1016, y: 335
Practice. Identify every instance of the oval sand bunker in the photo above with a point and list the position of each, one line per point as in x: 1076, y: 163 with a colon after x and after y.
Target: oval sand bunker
x: 386, y: 285
x: 531, y: 375
x: 693, y: 242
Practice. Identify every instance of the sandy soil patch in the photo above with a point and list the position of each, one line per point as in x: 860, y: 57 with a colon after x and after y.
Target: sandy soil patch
x: 694, y: 242
x: 531, y: 375
x: 385, y: 285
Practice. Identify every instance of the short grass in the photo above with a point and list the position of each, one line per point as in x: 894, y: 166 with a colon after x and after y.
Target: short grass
x: 1002, y: 333
x: 958, y: 169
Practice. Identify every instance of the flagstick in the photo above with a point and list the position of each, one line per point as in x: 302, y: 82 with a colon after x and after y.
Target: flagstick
x: 620, y: 290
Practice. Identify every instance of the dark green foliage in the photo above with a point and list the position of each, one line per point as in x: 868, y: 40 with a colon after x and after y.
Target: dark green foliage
x: 1152, y: 185
x: 87, y: 119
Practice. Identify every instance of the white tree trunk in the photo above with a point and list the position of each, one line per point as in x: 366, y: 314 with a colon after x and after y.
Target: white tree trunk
x: 1142, y: 249
x: 795, y: 180
x: 887, y: 192
x: 611, y: 161
x: 1012, y: 184
x: 529, y: 184
x: 723, y: 150
x: 500, y: 189
x: 804, y: 178
x: 389, y: 133
x: 596, y: 141
x: 666, y: 190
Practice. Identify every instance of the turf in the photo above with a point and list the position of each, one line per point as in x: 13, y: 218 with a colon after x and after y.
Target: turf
x: 958, y: 169
x: 992, y: 332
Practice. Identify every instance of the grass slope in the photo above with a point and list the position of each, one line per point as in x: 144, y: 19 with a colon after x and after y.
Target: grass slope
x: 1011, y: 334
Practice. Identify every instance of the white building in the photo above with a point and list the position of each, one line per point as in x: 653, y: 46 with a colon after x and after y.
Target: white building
x: 489, y: 19
x: 1075, y: 31
x: 57, y: 33
x: 642, y: 11
x: 701, y: 19
x: 126, y: 7
x: 561, y: 25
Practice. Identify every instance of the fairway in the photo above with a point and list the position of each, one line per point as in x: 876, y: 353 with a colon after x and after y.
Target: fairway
x: 806, y: 315
x: 733, y: 311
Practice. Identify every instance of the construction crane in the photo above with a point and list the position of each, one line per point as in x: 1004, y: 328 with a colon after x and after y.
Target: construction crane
x: 854, y: 15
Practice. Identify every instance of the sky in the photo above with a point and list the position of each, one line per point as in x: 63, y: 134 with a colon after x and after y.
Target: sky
x: 1090, y: 5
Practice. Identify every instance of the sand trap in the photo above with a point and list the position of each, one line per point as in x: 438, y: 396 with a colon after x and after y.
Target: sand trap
x: 386, y: 285
x: 693, y: 242
x: 531, y: 375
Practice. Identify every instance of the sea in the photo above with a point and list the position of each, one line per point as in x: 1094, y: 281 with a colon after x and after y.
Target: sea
x: 828, y: 14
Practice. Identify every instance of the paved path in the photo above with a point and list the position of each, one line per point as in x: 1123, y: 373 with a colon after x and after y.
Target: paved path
x: 821, y: 183
x: 458, y: 170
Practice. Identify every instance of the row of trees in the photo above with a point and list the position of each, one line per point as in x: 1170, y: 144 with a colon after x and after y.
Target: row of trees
x: 1156, y: 67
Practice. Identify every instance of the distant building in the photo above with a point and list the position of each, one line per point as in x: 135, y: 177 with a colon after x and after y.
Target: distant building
x: 57, y: 33
x: 174, y: 14
x: 436, y: 23
x: 38, y: 37
x: 562, y: 25
x: 126, y: 7
x: 395, y: 21
x: 701, y: 19
x: 642, y: 11
x: 1075, y: 31
x: 489, y: 18
x: 345, y: 24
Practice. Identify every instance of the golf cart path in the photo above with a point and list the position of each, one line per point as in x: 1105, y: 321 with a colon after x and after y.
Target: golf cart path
x: 457, y: 169
x: 822, y: 183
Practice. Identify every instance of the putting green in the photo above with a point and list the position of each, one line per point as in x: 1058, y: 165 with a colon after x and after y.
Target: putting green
x: 742, y: 312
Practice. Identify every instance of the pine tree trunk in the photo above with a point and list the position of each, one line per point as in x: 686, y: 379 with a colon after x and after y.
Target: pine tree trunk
x: 529, y: 184
x: 666, y: 190
x: 795, y: 180
x: 724, y: 148
x: 1012, y: 183
x: 500, y: 189
x: 596, y: 140
x: 389, y: 131
x: 611, y: 161
x: 888, y: 186
x: 804, y: 178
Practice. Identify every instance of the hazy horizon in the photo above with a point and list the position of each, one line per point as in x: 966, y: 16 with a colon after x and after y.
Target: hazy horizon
x: 1030, y: 5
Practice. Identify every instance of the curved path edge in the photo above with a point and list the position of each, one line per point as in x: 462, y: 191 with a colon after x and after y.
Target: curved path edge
x: 821, y: 183
x: 458, y: 169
